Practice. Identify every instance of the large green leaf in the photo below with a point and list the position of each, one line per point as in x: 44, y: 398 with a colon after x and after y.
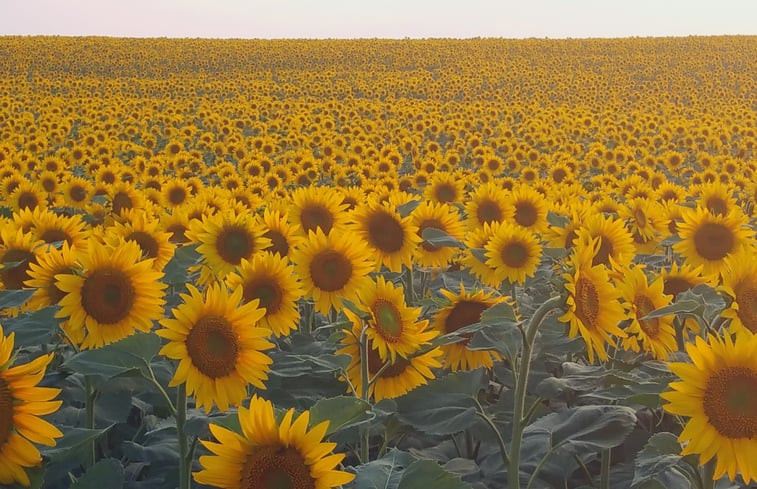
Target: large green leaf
x: 400, y: 470
x: 342, y: 412
x: 33, y: 329
x: 14, y: 298
x: 444, y: 406
x: 133, y: 353
x: 73, y: 443
x: 105, y: 473
x: 427, y: 473
x: 659, y: 465
x: 440, y: 239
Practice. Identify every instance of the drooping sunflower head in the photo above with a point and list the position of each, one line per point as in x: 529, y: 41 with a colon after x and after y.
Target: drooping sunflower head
x: 116, y: 294
x: 270, y: 279
x: 227, y: 238
x: 717, y: 391
x: 218, y: 344
x: 21, y: 404
x: 390, y: 237
x: 593, y: 306
x: 270, y: 454
x: 333, y: 266
x: 465, y: 309
x: 708, y: 239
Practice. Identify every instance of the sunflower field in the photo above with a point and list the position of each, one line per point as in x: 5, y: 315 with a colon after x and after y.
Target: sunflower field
x: 378, y: 264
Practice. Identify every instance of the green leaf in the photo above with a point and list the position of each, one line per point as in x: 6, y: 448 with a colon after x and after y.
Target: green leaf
x: 177, y: 269
x: 33, y: 328
x: 681, y: 306
x: 408, y: 207
x: 659, y: 465
x: 557, y: 220
x: 14, y: 298
x: 427, y: 473
x: 444, y: 406
x: 74, y: 441
x: 498, y: 313
x: 133, y: 353
x: 440, y: 239
x: 342, y: 412
x: 105, y: 473
x: 384, y: 473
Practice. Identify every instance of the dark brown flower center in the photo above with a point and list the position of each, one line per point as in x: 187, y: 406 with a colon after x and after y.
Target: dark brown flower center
x: 233, y: 244
x: 279, y: 243
x: 330, y: 270
x: 122, y: 201
x: 488, y: 211
x: 385, y: 232
x: 713, y: 241
x: 77, y: 193
x: 267, y: 290
x: 178, y: 233
x: 603, y: 253
x: 315, y: 216
x: 730, y: 402
x: 147, y: 243
x: 746, y: 298
x: 717, y: 206
x: 177, y: 195
x: 525, y: 214
x: 464, y: 313
x: 14, y: 278
x: 675, y: 285
x: 54, y: 235
x: 445, y: 192
x: 28, y: 200
x: 644, y: 306
x: 213, y: 346
x: 587, y: 302
x: 515, y: 254
x: 108, y: 295
x: 275, y: 468
x: 375, y: 363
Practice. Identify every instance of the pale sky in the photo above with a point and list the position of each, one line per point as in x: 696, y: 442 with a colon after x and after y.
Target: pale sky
x: 378, y: 18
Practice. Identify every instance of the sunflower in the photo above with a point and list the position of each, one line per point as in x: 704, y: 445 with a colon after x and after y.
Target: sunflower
x: 217, y: 343
x: 284, y: 236
x: 51, y: 228
x: 175, y: 192
x: 594, y: 310
x: 42, y: 274
x: 21, y: 404
x: 644, y: 217
x: 77, y: 192
x: 486, y: 205
x: 474, y: 257
x: 513, y: 252
x: 528, y: 208
x: 563, y: 237
x: 269, y: 454
x: 465, y: 309
x: 176, y: 224
x: 123, y: 196
x: 717, y: 198
x: 17, y: 252
x: 144, y: 230
x: 438, y: 216
x: 271, y: 280
x: 27, y: 195
x: 116, y: 294
x: 615, y: 244
x: 390, y: 237
x: 332, y: 267
x: 718, y: 392
x: 655, y: 335
x: 740, y: 283
x: 402, y: 375
x: 227, y: 238
x: 708, y: 239
x: 444, y: 188
x: 317, y: 208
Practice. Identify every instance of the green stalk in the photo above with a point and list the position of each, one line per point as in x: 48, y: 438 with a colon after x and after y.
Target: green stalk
x: 365, y: 438
x: 708, y: 474
x: 521, y: 383
x: 409, y: 292
x: 89, y: 404
x: 604, y: 474
x: 185, y: 464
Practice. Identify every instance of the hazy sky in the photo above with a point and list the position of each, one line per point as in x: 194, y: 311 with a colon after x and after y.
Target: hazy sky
x: 378, y: 18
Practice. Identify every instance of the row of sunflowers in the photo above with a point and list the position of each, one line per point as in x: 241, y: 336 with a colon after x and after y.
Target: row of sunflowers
x: 316, y: 264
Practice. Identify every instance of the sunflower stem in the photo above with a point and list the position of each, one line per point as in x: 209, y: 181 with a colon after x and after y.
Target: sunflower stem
x: 181, y: 419
x: 500, y: 441
x: 91, y: 396
x: 409, y: 292
x: 521, y: 382
x: 365, y: 438
x: 708, y: 474
x: 604, y: 474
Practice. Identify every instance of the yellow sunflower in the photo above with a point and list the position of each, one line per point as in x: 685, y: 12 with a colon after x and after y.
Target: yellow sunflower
x: 390, y: 237
x: 116, y: 294
x: 708, y: 239
x: 269, y: 454
x: 399, y: 377
x: 528, y: 208
x: 740, y: 283
x: 283, y: 235
x: 465, y: 309
x: 718, y: 393
x: 17, y: 252
x: 594, y: 310
x: 615, y: 244
x: 27, y: 195
x: 513, y: 252
x: 227, y: 238
x: 145, y: 231
x: 50, y: 262
x: 444, y: 187
x: 486, y: 205
x: 77, y: 192
x: 333, y: 267
x: 474, y: 257
x: 21, y: 404
x: 317, y: 208
x: 716, y: 197
x: 438, y: 216
x: 657, y: 335
x: 218, y: 346
x: 271, y: 280
x: 645, y: 218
